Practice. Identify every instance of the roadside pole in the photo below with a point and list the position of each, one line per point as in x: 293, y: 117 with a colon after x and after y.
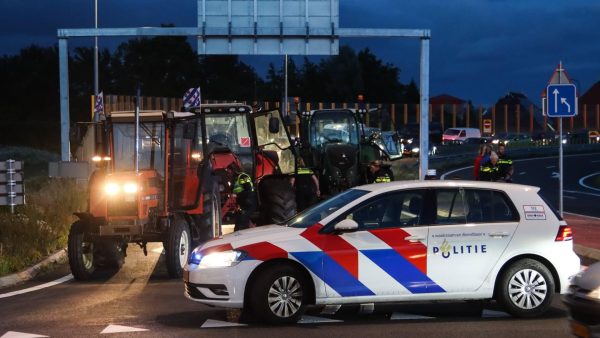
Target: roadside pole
x: 561, y: 100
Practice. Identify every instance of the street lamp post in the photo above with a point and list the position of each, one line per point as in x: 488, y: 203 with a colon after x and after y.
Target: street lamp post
x: 96, y: 89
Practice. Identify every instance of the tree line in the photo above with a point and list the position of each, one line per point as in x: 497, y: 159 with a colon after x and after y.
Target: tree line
x: 167, y: 67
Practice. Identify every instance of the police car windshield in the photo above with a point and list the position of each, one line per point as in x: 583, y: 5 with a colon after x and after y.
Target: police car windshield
x: 322, y: 210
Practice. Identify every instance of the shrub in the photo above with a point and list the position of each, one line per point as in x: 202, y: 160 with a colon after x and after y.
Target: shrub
x: 41, y: 226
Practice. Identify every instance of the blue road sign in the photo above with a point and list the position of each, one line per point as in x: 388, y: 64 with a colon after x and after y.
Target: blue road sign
x: 562, y: 100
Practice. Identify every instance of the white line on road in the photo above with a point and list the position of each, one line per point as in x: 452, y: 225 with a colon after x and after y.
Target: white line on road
x: 582, y: 180
x: 596, y: 161
x: 570, y: 197
x: 39, y: 287
x: 581, y: 192
x: 443, y: 177
x: 522, y: 173
x: 550, y: 167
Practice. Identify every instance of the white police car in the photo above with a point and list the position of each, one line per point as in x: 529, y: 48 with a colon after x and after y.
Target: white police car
x: 392, y: 242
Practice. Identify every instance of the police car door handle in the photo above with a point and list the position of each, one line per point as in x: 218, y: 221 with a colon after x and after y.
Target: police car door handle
x: 414, y: 238
x: 498, y: 234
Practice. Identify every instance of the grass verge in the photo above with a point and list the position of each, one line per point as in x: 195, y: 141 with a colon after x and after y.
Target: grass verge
x: 40, y: 227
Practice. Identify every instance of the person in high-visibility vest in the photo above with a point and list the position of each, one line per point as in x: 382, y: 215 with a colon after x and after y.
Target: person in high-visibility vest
x: 306, y: 184
x: 505, y: 164
x: 379, y: 173
x: 243, y: 188
x: 488, y: 171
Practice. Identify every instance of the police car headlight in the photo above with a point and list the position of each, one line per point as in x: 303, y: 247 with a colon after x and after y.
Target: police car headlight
x: 217, y: 259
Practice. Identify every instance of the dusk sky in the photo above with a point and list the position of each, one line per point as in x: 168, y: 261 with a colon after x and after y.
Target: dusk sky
x: 480, y: 49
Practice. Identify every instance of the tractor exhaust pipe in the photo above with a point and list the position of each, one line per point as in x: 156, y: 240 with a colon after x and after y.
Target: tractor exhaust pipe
x: 137, y: 129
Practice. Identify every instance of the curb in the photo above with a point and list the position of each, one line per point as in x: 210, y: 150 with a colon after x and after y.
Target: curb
x: 29, y: 273
x: 589, y: 253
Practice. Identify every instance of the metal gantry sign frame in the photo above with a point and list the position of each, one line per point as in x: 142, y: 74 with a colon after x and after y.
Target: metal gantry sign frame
x: 258, y: 27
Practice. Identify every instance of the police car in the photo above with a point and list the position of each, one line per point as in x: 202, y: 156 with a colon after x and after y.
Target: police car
x: 394, y: 242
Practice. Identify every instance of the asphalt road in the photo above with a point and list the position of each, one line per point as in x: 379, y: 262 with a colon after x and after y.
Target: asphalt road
x: 140, y: 296
x: 581, y: 196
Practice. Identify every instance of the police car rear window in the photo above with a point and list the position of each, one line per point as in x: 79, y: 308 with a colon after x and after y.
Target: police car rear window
x: 320, y: 211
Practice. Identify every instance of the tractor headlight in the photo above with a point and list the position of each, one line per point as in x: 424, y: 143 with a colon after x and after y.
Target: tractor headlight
x: 130, y: 187
x: 111, y: 188
x: 217, y: 259
x: 415, y: 150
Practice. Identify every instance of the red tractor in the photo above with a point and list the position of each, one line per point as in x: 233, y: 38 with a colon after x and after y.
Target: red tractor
x: 177, y: 186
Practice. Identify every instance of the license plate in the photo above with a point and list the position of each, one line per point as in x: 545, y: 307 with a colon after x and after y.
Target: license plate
x: 186, y: 276
x: 580, y: 330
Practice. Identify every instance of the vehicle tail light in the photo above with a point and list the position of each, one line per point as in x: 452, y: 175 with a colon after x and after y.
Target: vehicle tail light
x: 565, y: 233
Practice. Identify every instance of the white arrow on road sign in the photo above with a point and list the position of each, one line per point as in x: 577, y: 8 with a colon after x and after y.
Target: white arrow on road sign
x: 555, y: 174
x: 555, y: 92
x: 564, y: 101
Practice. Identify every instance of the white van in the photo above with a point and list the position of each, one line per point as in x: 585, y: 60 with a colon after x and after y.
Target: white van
x: 460, y: 134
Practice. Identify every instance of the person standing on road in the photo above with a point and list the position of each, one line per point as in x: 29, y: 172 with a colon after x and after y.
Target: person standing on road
x: 483, y: 151
x: 306, y: 184
x: 488, y: 171
x: 380, y: 173
x: 246, y: 200
x: 505, y: 164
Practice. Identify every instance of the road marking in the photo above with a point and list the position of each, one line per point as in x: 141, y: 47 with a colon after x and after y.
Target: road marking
x: 523, y: 173
x: 555, y: 174
x: 120, y: 328
x: 494, y: 314
x: 315, y: 320
x: 596, y: 161
x: 39, y: 287
x: 211, y: 323
x: 550, y: 167
x: 581, y: 192
x: 407, y: 316
x: 14, y: 334
x: 570, y: 197
x: 443, y: 177
x: 582, y: 180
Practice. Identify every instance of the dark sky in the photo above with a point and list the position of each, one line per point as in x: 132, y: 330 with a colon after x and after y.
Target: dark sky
x: 480, y: 49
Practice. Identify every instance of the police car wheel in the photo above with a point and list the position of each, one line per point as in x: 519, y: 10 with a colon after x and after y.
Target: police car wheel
x: 279, y: 295
x: 527, y: 288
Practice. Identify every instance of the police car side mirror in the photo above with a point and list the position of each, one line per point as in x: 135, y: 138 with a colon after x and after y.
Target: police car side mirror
x: 346, y: 225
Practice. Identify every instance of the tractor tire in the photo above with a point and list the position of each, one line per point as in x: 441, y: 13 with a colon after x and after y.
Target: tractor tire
x: 210, y: 221
x: 178, y: 247
x: 81, y: 253
x: 110, y: 253
x: 277, y: 200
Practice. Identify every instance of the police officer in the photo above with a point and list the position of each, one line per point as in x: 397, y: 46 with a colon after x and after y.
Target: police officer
x: 306, y: 184
x: 246, y: 200
x: 505, y: 164
x: 488, y: 171
x: 379, y: 173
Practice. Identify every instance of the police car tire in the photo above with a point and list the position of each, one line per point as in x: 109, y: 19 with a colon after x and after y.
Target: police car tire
x: 260, y: 294
x: 537, y: 273
x: 81, y: 268
x: 173, y: 246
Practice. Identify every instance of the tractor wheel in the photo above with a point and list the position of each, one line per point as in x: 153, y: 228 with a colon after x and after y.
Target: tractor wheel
x: 278, y: 200
x: 178, y: 247
x: 210, y: 223
x: 110, y: 253
x: 81, y: 252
